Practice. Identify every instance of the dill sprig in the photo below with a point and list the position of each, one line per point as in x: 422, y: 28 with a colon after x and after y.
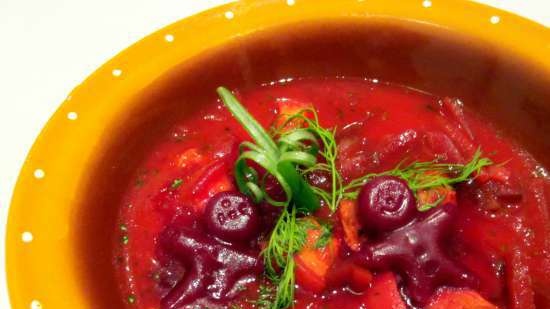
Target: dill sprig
x: 324, y: 238
x: 425, y: 175
x: 287, y: 238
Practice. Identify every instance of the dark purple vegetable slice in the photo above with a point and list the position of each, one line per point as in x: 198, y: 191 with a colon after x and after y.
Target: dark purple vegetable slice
x: 417, y: 252
x: 213, y: 270
x: 232, y: 216
x: 385, y: 203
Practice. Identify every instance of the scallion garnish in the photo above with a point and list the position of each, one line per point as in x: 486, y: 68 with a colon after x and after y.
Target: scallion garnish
x: 280, y: 160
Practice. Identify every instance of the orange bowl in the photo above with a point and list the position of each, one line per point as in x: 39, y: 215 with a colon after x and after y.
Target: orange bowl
x: 65, y: 203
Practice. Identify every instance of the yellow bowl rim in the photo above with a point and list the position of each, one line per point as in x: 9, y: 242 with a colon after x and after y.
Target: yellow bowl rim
x: 40, y: 214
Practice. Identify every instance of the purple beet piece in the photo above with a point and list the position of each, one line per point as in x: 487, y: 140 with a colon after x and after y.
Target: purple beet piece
x: 416, y: 251
x: 213, y: 270
x: 232, y: 216
x: 385, y: 203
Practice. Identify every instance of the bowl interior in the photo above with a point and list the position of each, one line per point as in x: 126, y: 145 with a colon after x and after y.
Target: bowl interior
x: 70, y: 187
x: 510, y: 92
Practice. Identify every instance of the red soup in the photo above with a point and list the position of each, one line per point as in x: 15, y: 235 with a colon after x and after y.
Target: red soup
x: 345, y: 193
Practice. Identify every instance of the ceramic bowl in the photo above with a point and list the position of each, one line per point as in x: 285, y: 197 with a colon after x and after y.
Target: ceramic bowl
x: 65, y: 203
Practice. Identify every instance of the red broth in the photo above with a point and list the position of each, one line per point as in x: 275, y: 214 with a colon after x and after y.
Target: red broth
x: 501, y: 234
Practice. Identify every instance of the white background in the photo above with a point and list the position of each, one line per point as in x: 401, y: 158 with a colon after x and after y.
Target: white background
x: 47, y: 47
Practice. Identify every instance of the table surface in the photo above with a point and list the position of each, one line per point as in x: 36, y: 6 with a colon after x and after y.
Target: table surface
x: 51, y: 46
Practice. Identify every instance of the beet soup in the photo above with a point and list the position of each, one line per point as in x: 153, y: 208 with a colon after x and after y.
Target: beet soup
x: 335, y: 193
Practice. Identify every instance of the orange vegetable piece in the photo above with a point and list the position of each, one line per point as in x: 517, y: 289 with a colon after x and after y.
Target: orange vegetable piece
x: 361, y: 278
x: 189, y: 157
x: 430, y: 196
x: 349, y: 218
x: 213, y: 180
x: 384, y: 294
x: 312, y: 263
x: 347, y: 273
x: 288, y: 108
x: 498, y: 173
x: 459, y: 299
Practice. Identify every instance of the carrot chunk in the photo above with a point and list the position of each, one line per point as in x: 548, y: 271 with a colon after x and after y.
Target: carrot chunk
x: 288, y: 108
x: 430, y: 196
x: 313, y: 261
x: 349, y: 218
x: 384, y: 293
x: 189, y: 157
x: 459, y: 299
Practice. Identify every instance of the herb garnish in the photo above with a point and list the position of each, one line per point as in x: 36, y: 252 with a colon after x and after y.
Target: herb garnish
x: 176, y: 183
x: 287, y: 238
x: 288, y: 156
x: 278, y: 159
x: 324, y: 238
x: 425, y: 175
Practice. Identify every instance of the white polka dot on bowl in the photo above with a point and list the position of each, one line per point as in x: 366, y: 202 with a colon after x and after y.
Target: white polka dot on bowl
x: 169, y: 38
x: 26, y: 237
x: 35, y: 304
x: 39, y: 173
x: 117, y: 72
x: 229, y: 15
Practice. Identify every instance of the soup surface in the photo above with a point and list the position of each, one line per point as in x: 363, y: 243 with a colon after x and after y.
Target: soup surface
x: 476, y: 238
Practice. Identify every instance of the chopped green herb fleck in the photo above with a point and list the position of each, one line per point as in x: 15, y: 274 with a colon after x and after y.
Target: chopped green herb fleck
x: 125, y: 239
x: 123, y: 227
x: 131, y: 299
x: 176, y: 183
x: 139, y: 182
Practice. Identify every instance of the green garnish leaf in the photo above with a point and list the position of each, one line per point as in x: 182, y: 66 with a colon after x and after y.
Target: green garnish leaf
x: 254, y: 129
x: 176, y: 183
x: 280, y: 160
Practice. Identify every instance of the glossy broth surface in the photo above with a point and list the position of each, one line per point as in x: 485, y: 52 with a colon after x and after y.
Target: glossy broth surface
x: 504, y: 243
